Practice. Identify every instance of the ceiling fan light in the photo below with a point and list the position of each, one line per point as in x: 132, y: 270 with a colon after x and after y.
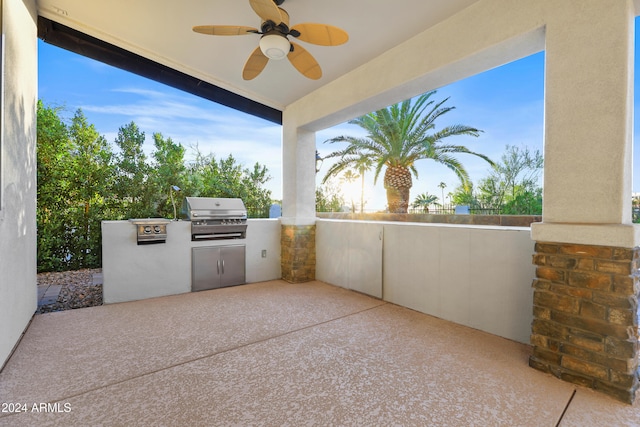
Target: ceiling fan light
x: 274, y: 46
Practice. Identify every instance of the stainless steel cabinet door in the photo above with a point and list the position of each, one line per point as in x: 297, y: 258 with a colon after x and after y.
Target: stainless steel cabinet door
x: 232, y: 265
x: 217, y: 266
x: 205, y: 264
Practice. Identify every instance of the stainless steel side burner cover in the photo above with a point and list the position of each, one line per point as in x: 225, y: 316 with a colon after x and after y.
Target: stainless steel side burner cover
x: 150, y: 230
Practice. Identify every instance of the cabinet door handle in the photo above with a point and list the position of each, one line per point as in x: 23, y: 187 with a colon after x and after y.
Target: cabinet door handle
x: 222, y: 266
x: 218, y: 265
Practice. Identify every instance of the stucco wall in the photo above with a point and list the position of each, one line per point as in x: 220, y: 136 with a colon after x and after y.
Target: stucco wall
x: 588, y: 44
x: 349, y: 254
x: 133, y: 272
x: 476, y: 276
x: 18, y: 292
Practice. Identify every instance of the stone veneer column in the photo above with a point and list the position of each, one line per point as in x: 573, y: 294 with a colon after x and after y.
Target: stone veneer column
x: 585, y: 327
x: 298, y: 253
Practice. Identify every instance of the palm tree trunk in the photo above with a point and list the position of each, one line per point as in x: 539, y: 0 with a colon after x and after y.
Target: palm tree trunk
x: 362, y: 192
x: 398, y: 183
x: 398, y: 199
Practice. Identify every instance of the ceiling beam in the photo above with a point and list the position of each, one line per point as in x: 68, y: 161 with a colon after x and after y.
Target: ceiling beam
x: 83, y: 44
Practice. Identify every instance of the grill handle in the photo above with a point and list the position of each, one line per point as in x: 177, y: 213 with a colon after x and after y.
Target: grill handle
x: 218, y: 265
x: 222, y: 266
x: 212, y: 236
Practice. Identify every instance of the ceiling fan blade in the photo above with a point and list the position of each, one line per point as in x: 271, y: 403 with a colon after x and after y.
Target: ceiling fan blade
x: 267, y: 10
x: 305, y: 62
x: 254, y: 65
x: 224, y: 30
x: 321, y: 34
x: 285, y: 16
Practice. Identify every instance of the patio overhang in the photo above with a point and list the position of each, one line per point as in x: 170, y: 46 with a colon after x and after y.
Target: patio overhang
x: 83, y: 44
x: 586, y: 257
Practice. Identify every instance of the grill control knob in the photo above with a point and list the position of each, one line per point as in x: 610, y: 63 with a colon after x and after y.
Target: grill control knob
x: 156, y: 228
x: 147, y: 229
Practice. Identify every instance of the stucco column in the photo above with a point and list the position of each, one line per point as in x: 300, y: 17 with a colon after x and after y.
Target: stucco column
x: 588, y: 125
x: 298, y: 175
x: 18, y: 295
x: 585, y: 306
x: 298, y: 255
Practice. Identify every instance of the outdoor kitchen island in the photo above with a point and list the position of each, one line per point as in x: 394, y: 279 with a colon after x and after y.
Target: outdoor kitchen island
x: 135, y: 271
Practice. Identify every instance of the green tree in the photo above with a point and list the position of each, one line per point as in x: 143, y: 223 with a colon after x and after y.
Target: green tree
x: 168, y: 170
x: 132, y: 193
x: 81, y: 183
x: 329, y: 198
x: 53, y: 147
x: 257, y: 198
x: 465, y: 195
x: 91, y: 174
x: 512, y: 187
x: 527, y: 201
x: 423, y: 201
x: 209, y: 177
x: 400, y: 135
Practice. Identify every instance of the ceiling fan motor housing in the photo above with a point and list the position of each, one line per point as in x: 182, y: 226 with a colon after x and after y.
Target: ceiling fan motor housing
x: 275, y: 45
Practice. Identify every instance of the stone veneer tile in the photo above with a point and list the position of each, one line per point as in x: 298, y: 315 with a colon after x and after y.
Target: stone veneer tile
x: 298, y: 253
x: 585, y: 327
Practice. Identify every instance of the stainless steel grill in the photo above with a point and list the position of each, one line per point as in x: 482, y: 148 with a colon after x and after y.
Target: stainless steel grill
x: 216, y: 218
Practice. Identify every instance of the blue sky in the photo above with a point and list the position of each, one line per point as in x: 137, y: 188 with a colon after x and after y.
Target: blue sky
x: 506, y: 103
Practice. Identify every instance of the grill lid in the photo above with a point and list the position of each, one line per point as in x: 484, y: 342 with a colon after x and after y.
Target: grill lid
x: 214, y: 208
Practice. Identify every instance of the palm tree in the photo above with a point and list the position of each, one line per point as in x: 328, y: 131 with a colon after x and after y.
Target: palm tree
x: 400, y: 135
x: 442, y: 186
x: 360, y: 161
x: 350, y: 176
x: 423, y: 201
x: 362, y: 165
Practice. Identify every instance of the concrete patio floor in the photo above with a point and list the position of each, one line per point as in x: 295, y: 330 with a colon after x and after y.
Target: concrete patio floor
x: 280, y: 354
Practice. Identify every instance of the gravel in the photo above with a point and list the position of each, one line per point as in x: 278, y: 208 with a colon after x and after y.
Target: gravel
x: 78, y: 289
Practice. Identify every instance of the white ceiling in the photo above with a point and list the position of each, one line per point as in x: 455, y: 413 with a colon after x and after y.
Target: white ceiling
x: 161, y: 31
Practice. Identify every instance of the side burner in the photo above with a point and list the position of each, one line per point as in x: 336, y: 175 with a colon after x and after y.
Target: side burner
x: 150, y: 230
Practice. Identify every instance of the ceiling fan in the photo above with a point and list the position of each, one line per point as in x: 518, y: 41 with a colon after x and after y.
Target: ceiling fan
x: 275, y: 44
